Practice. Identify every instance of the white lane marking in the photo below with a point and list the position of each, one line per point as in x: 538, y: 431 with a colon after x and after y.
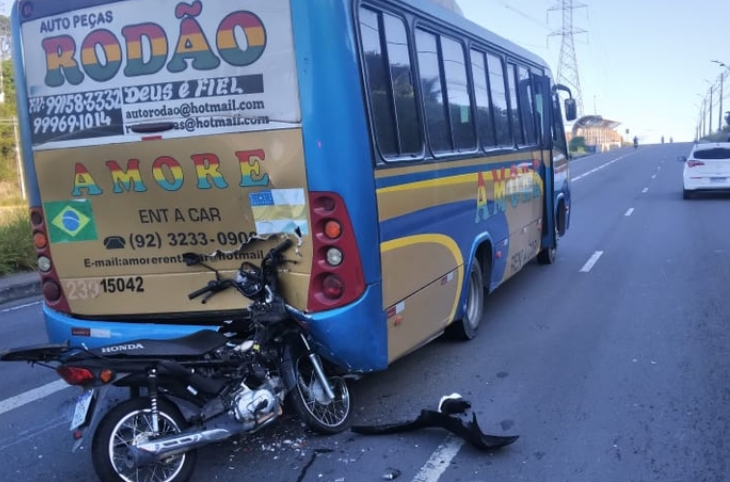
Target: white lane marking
x: 602, y: 166
x: 32, y: 395
x: 646, y: 189
x: 629, y: 212
x: 439, y: 461
x: 654, y: 176
x: 591, y: 262
x: 19, y: 307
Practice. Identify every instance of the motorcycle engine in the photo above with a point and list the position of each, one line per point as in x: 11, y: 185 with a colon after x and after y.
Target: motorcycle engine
x: 255, y: 405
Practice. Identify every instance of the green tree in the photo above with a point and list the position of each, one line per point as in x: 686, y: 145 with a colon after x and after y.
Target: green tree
x: 6, y: 43
x: 8, y: 112
x: 578, y: 143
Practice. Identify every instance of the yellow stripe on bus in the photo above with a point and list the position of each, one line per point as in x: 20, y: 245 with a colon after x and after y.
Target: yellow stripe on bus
x: 442, y: 240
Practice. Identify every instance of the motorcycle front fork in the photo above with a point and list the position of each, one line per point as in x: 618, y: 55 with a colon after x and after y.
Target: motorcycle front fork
x: 318, y: 368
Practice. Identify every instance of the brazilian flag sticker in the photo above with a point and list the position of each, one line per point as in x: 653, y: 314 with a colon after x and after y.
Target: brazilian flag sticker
x: 70, y: 221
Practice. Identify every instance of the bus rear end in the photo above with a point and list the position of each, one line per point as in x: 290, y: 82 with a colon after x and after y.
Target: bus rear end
x: 152, y: 129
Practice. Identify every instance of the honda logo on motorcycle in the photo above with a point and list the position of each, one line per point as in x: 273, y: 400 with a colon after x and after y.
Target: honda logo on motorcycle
x: 126, y: 347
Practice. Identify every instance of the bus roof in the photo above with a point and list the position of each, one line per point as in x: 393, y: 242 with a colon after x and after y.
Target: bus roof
x: 449, y: 11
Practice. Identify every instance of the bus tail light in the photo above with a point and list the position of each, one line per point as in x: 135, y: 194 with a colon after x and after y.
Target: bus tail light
x: 337, y: 276
x: 50, y: 283
x: 333, y: 287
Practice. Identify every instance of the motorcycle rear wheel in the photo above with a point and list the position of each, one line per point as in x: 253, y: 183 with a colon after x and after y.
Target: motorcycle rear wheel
x: 321, y: 416
x: 130, y: 422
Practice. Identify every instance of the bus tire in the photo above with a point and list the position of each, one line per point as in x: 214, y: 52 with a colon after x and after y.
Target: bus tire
x: 466, y: 328
x: 548, y: 255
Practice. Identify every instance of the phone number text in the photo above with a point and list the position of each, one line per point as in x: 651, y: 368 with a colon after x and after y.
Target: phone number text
x: 99, y: 101
x: 66, y: 124
x: 164, y: 240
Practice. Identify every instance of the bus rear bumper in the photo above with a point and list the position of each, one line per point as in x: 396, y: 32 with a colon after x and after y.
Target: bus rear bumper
x: 93, y: 334
x: 353, y: 337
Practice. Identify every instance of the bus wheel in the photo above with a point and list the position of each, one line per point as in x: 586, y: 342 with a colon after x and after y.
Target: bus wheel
x: 466, y: 327
x: 548, y: 255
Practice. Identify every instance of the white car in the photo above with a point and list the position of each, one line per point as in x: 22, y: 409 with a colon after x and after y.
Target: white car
x: 707, y: 168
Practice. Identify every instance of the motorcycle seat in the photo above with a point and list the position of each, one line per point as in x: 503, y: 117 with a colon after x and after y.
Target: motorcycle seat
x: 196, y: 344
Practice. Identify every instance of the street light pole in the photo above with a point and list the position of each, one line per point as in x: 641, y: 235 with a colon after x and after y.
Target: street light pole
x: 710, y: 113
x: 719, y: 117
x: 722, y: 85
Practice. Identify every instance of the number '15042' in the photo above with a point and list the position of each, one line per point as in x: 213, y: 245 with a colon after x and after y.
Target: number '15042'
x: 121, y: 285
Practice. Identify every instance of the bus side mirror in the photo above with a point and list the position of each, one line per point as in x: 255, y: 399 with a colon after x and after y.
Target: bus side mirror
x: 571, y: 109
x: 682, y: 158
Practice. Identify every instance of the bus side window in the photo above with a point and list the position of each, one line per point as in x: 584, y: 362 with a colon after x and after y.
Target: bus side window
x: 542, y: 136
x: 558, y: 130
x: 432, y: 90
x: 457, y: 90
x: 515, y: 117
x: 526, y: 105
x: 485, y: 123
x: 499, y: 100
x: 395, y: 116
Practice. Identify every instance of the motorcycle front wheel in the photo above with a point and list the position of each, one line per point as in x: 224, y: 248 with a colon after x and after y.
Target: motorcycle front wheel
x: 320, y: 414
x: 128, y: 423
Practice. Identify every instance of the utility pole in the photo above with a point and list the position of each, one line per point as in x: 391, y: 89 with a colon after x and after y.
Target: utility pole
x: 719, y: 112
x: 568, y: 63
x: 710, y: 116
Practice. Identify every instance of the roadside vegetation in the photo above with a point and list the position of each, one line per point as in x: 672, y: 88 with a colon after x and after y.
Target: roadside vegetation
x: 16, y: 243
x: 720, y: 136
x: 16, y: 237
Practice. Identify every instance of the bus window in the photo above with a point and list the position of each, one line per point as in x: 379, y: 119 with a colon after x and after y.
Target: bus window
x: 541, y: 105
x: 526, y: 105
x: 378, y: 83
x: 499, y: 99
x: 432, y: 91
x: 395, y: 117
x: 409, y: 131
x: 515, y: 117
x: 457, y: 88
x: 485, y: 124
x: 558, y: 130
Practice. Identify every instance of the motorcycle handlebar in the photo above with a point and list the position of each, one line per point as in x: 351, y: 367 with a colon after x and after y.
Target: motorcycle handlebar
x: 281, y: 247
x: 215, y: 286
x: 200, y: 292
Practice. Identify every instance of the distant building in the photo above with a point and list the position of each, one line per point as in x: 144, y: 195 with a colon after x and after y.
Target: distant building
x: 600, y: 134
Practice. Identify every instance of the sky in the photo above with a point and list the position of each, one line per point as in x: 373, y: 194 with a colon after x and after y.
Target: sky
x: 645, y: 64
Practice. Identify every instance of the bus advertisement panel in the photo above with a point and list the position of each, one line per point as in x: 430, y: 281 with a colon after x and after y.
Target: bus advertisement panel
x: 155, y: 137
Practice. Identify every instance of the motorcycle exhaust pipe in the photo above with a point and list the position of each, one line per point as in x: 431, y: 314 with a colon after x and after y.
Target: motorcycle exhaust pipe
x: 154, y: 451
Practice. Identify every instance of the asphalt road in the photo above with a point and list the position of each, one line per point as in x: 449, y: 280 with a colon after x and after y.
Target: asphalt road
x: 612, y: 364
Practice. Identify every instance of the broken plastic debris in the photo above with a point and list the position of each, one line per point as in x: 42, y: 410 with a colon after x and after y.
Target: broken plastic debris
x: 445, y: 418
x: 392, y: 474
x: 453, y: 404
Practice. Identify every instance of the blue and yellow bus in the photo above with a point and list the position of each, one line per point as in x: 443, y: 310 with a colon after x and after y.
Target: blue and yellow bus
x: 419, y: 158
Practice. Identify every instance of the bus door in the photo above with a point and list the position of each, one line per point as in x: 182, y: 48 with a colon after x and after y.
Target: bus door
x: 543, y: 107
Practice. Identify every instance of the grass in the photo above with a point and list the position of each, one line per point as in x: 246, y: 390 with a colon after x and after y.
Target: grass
x: 16, y: 241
